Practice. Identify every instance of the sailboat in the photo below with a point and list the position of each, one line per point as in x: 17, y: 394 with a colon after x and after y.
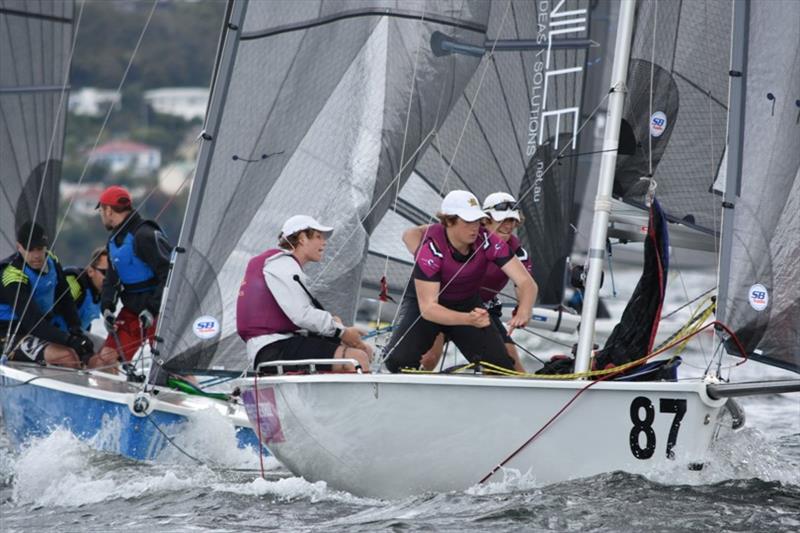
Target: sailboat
x: 36, y: 43
x: 393, y: 435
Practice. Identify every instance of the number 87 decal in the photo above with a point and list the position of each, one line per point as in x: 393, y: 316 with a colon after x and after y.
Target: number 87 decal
x: 646, y: 425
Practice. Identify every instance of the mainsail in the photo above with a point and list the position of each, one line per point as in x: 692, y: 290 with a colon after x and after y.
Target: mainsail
x: 520, y: 110
x: 762, y: 306
x: 317, y: 107
x: 35, y: 45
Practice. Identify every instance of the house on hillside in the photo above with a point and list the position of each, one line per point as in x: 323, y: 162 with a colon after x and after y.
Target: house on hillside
x: 186, y: 102
x: 137, y: 158
x: 93, y: 102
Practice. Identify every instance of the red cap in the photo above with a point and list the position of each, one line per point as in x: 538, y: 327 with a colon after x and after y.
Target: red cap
x: 115, y: 196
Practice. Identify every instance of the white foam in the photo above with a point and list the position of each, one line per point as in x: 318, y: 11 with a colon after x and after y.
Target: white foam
x: 512, y: 481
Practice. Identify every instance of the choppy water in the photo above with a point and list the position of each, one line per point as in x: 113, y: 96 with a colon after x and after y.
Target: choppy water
x: 61, y: 484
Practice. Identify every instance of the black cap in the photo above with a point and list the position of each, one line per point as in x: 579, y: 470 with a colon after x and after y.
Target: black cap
x: 31, y: 238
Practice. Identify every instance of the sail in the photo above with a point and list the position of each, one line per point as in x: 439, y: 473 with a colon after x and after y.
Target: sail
x: 312, y: 111
x: 763, y: 288
x: 674, y: 120
x: 520, y: 110
x: 35, y: 45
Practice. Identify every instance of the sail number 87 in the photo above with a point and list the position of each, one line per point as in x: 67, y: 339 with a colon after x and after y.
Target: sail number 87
x: 645, y: 425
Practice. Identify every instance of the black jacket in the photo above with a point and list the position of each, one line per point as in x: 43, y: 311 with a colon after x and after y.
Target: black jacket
x: 151, y: 246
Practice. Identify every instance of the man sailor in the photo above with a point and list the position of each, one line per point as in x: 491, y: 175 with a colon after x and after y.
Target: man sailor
x: 38, y: 319
x: 278, y: 317
x: 85, y: 285
x: 139, y: 256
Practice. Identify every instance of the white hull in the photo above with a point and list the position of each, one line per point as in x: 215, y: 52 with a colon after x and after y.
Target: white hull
x: 391, y: 436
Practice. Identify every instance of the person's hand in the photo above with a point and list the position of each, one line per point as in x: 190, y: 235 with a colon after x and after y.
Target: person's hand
x: 109, y: 320
x: 146, y: 318
x: 478, y: 318
x: 82, y: 345
x: 519, y: 320
x: 352, y: 337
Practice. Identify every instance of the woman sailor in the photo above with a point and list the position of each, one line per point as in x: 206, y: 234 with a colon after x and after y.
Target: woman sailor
x: 448, y: 273
x: 276, y: 315
x: 503, y: 218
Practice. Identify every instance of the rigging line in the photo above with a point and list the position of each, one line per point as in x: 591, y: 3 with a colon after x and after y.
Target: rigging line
x: 693, y: 300
x: 405, y: 138
x: 64, y: 86
x: 488, y: 61
x: 171, y: 441
x: 652, y: 72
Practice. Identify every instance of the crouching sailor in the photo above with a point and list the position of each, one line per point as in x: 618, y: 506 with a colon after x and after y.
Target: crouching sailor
x: 38, y: 319
x: 278, y: 317
x: 448, y: 273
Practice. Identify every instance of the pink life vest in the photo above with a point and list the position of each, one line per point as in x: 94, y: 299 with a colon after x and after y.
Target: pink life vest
x: 257, y: 311
x: 494, y: 280
x: 459, y: 280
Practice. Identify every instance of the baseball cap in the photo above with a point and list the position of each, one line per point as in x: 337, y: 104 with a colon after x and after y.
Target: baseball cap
x: 115, y: 196
x: 463, y: 204
x: 31, y: 235
x: 301, y: 222
x: 500, y: 206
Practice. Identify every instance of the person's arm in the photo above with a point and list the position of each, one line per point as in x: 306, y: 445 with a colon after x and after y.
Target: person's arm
x: 152, y: 247
x: 64, y: 303
x: 412, y: 237
x: 526, y: 289
x: 432, y: 311
x: 109, y: 292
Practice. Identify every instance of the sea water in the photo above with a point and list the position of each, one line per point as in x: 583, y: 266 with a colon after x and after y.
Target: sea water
x: 59, y: 483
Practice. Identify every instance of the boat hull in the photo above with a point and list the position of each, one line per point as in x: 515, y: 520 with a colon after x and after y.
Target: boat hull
x: 37, y: 400
x: 396, y: 435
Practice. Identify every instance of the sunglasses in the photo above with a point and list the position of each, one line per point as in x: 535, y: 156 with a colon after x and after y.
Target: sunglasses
x: 101, y: 270
x: 504, y: 206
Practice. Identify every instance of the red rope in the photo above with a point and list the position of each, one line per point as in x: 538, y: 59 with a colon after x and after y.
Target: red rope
x: 603, y: 378
x: 258, y: 426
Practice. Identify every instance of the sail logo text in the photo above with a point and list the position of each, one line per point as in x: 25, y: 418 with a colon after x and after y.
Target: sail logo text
x: 206, y: 327
x: 559, y: 22
x: 759, y: 297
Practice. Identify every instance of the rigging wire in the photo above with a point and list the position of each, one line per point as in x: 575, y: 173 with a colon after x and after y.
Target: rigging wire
x: 88, y: 161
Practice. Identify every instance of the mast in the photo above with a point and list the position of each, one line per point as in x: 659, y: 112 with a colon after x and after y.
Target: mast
x: 602, y: 209
x: 733, y: 174
x: 229, y: 44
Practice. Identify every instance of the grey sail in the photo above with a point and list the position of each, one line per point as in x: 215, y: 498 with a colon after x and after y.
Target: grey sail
x: 763, y: 289
x: 312, y: 111
x: 35, y: 44
x: 510, y: 122
x: 685, y: 48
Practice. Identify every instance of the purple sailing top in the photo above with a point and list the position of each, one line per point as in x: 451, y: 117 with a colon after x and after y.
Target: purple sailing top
x: 495, y: 279
x: 460, y: 275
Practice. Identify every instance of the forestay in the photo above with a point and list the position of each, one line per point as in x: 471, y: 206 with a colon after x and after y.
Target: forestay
x: 763, y: 289
x: 35, y: 45
x: 313, y: 110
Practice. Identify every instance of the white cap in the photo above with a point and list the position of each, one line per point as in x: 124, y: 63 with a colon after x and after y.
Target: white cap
x: 462, y: 204
x: 498, y: 199
x: 301, y: 222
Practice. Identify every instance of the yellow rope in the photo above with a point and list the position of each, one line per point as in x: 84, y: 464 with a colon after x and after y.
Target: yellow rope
x: 694, y: 323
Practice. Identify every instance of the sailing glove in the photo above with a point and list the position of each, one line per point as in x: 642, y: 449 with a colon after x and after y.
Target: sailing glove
x: 146, y: 319
x: 82, y: 345
x: 108, y: 320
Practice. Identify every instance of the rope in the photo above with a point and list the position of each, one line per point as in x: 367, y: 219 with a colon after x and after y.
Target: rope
x: 258, y: 426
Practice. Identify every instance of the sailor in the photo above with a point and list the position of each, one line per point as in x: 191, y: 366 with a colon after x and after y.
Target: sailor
x: 85, y: 285
x: 38, y: 319
x: 138, y: 265
x: 448, y: 273
x: 503, y: 217
x: 278, y: 317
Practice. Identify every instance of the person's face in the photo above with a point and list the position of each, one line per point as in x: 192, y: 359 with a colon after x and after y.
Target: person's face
x: 97, y: 273
x: 503, y: 229
x: 35, y: 257
x: 312, y: 247
x: 463, y: 232
x: 107, y: 217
